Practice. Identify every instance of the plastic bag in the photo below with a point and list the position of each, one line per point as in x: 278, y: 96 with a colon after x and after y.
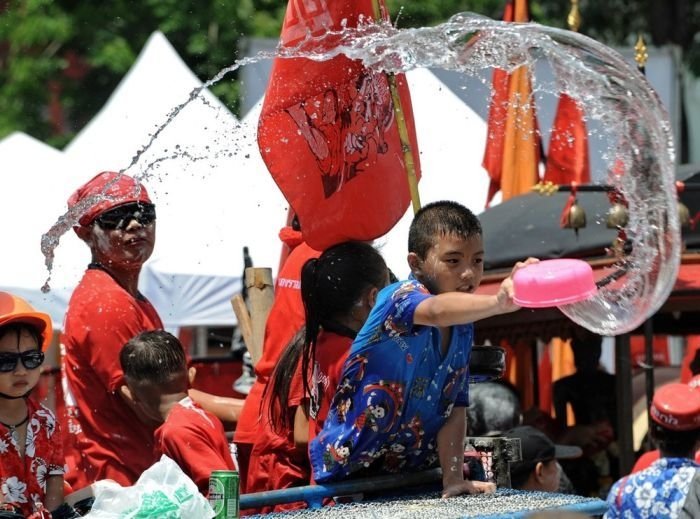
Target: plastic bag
x: 163, y: 491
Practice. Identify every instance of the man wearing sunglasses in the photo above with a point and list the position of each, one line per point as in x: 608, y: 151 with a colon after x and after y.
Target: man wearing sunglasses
x: 106, y: 438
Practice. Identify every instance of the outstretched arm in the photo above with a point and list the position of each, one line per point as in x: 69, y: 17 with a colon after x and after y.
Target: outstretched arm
x: 453, y: 308
x: 450, y: 443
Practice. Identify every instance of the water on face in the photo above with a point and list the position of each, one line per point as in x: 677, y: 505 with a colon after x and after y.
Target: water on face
x: 621, y: 110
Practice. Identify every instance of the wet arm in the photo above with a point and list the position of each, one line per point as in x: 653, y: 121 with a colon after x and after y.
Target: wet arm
x: 453, y: 308
x: 450, y: 443
x: 225, y: 408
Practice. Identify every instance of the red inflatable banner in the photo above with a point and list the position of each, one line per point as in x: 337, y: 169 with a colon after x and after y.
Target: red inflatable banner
x: 329, y: 132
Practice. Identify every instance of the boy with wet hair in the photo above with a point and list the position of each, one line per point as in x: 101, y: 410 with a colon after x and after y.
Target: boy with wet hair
x: 157, y: 378
x: 410, y: 360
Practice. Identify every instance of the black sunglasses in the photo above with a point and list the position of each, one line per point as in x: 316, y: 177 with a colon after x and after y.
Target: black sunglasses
x: 31, y: 359
x: 119, y: 217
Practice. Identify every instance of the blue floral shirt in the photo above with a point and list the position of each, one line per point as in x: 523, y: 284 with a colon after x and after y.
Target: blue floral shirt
x: 658, y: 491
x: 396, y: 391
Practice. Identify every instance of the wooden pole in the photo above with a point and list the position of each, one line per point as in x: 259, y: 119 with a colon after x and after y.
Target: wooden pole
x: 406, y: 147
x: 245, y: 325
x: 258, y: 282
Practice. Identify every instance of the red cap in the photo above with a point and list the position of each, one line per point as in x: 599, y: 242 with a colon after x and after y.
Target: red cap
x: 695, y: 382
x: 676, y: 407
x: 109, y: 189
x: 14, y: 309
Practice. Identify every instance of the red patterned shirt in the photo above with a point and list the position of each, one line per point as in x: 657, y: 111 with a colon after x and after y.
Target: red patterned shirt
x: 23, y: 479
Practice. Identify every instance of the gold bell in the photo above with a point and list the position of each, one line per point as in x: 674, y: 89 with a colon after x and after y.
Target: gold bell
x: 576, y: 219
x: 683, y: 214
x: 617, y: 216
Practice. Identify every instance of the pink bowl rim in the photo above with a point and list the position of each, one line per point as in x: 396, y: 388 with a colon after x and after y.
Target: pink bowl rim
x: 548, y: 303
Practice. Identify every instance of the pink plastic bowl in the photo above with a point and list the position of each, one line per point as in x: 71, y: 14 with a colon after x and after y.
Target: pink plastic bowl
x: 553, y: 283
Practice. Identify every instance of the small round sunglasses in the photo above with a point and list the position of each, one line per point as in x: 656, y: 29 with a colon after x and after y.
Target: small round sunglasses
x: 31, y: 359
x: 119, y: 217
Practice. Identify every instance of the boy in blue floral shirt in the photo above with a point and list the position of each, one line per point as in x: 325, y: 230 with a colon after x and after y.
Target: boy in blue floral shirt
x: 662, y: 489
x: 401, y: 401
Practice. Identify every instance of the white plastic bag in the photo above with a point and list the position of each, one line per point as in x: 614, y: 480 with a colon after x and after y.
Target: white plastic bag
x: 162, y: 492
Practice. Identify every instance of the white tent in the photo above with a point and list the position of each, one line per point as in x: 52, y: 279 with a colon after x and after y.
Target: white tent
x: 33, y: 196
x: 451, y: 139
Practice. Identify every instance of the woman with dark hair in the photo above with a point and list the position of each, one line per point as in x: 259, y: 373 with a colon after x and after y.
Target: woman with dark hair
x: 338, y: 290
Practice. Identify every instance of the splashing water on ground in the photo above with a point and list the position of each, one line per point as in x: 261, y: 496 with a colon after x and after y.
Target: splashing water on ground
x: 615, y: 97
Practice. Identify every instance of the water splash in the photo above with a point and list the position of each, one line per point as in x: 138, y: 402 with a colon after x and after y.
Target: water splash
x: 616, y: 99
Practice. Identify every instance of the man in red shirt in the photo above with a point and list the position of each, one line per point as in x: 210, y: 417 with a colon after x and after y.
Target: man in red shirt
x: 104, y: 437
x: 285, y: 319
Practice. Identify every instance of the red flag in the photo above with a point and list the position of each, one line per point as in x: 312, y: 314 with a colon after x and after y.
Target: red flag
x: 512, y: 154
x: 567, y: 160
x: 329, y: 132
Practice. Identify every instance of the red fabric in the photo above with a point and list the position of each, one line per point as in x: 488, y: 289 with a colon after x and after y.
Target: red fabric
x: 23, y: 480
x: 330, y: 135
x: 104, y: 438
x: 498, y: 109
x: 286, y: 317
x: 195, y: 440
x: 275, y: 462
x: 290, y: 237
x: 544, y: 373
x: 646, y: 459
x: 105, y: 191
x: 693, y: 345
x: 660, y: 350
x: 567, y: 159
x: 511, y: 156
x: 331, y: 351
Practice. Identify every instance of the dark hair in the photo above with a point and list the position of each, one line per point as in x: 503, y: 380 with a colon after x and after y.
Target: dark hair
x: 494, y: 407
x: 587, y: 349
x: 18, y: 328
x: 519, y: 478
x: 154, y: 357
x: 330, y: 286
x: 676, y: 444
x: 441, y: 219
x: 276, y: 394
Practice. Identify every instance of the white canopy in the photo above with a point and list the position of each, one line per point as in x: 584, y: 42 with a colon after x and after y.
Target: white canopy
x: 33, y: 196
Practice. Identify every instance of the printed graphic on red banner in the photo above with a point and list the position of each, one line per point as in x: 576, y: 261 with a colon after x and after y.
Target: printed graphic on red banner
x: 329, y: 135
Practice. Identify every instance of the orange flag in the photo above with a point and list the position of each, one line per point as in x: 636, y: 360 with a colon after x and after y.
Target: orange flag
x: 512, y: 154
x: 329, y: 131
x: 567, y: 159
